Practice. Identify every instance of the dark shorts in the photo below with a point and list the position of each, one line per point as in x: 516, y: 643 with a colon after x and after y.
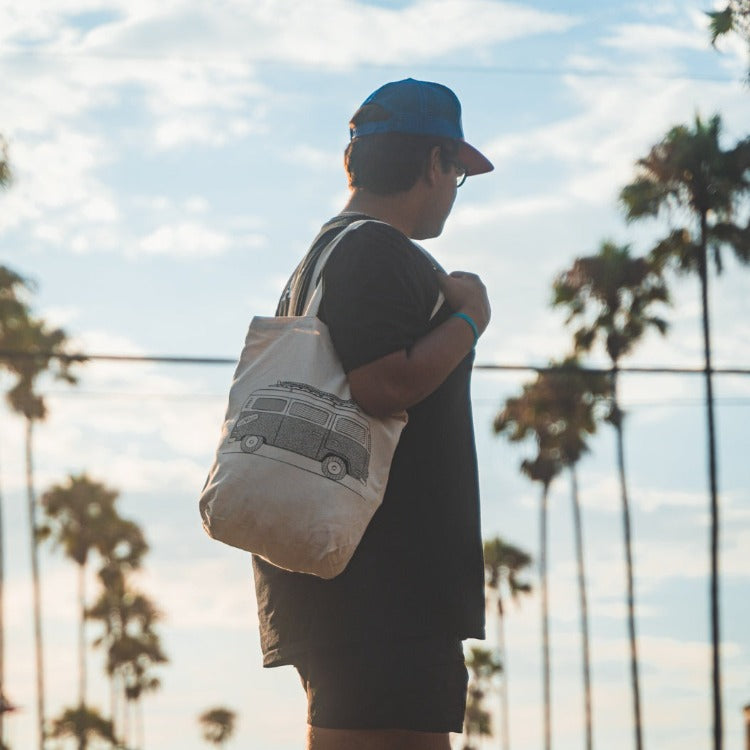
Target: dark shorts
x: 417, y: 685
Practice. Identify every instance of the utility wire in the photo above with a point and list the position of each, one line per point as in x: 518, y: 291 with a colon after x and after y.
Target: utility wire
x: 506, y: 70
x: 481, y: 401
x: 203, y: 360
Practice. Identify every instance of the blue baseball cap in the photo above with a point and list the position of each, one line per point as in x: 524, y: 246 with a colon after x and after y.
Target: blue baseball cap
x: 422, y: 108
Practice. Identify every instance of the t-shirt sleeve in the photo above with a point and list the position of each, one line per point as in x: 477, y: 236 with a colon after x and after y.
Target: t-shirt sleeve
x: 378, y: 293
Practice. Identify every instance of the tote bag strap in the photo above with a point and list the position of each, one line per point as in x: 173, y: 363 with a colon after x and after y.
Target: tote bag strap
x: 311, y: 310
x: 317, y: 294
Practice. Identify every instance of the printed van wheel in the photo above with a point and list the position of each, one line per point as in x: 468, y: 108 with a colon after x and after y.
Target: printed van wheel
x: 251, y: 443
x: 334, y: 467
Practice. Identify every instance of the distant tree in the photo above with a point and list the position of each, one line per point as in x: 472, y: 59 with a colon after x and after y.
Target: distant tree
x: 41, y: 350
x: 531, y: 415
x: 609, y: 296
x: 136, y: 652
x: 560, y: 409
x: 123, y: 614
x: 218, y: 725
x: 128, y: 617
x: 85, y: 723
x: 483, y: 666
x: 78, y: 513
x: 504, y: 565
x: 5, y: 173
x: 579, y: 401
x: 702, y: 189
x: 14, y: 319
x: 733, y: 18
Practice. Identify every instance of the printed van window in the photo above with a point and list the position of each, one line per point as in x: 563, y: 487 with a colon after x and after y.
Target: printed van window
x: 311, y: 413
x: 264, y: 403
x: 351, y: 429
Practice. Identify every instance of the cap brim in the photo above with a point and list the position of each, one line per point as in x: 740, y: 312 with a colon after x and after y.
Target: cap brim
x: 474, y: 161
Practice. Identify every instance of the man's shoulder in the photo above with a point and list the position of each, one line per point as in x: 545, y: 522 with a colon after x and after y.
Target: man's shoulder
x: 363, y: 228
x: 372, y: 244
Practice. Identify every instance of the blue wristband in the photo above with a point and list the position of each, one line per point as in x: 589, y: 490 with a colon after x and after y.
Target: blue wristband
x: 473, y: 325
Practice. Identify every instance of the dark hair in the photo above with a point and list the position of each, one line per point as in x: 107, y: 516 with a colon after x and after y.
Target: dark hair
x: 386, y: 163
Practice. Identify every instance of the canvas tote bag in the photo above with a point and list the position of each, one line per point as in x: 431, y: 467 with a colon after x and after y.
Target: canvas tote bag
x: 300, y: 468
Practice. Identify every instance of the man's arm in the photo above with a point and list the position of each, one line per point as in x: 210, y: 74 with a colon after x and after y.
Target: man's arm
x: 399, y: 380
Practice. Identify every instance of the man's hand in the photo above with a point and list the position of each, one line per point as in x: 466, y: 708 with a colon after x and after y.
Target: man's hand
x: 466, y: 293
x: 399, y: 380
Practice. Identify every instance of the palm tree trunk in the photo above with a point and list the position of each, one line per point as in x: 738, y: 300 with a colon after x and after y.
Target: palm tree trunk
x: 112, y: 704
x: 117, y: 699
x: 504, y: 712
x: 718, y: 732
x: 140, y: 728
x: 125, y: 716
x: 546, y: 679
x: 82, y: 647
x: 2, y: 624
x: 635, y: 682
x: 578, y: 527
x: 35, y: 584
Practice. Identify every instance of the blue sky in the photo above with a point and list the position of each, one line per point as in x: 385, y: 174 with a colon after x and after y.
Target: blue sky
x: 172, y: 163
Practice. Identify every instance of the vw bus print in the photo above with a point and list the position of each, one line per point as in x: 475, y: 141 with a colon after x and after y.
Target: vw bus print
x: 302, y: 419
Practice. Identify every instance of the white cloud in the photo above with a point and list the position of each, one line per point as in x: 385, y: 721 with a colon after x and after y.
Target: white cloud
x: 103, y: 342
x: 650, y: 500
x: 657, y: 10
x: 55, y: 176
x: 274, y: 30
x: 473, y: 215
x: 591, y: 146
x: 212, y: 593
x: 590, y: 154
x: 203, y: 91
x: 187, y: 239
x: 642, y: 37
x: 60, y: 317
x: 204, y: 57
x: 196, y: 205
x: 311, y: 157
x: 175, y: 131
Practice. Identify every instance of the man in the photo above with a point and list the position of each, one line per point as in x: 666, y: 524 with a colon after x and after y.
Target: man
x: 378, y: 648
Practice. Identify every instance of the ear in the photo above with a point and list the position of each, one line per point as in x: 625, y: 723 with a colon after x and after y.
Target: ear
x: 434, y: 166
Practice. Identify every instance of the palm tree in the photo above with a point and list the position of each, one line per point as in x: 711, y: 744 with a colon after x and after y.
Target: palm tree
x: 138, y: 653
x: 610, y: 295
x: 14, y: 319
x: 122, y: 547
x: 5, y: 173
x: 503, y: 564
x: 77, y: 512
x: 579, y: 395
x: 532, y: 415
x: 217, y: 725
x: 734, y: 17
x: 133, y: 648
x: 84, y: 725
x: 563, y: 410
x: 11, y: 308
x: 43, y: 351
x: 128, y: 617
x: 483, y: 666
x: 700, y: 187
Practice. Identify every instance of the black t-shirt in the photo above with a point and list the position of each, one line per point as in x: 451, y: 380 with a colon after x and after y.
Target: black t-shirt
x: 418, y: 571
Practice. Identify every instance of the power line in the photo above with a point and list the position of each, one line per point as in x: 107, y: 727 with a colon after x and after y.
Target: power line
x: 504, y: 70
x: 170, y: 396
x: 205, y: 360
x: 657, y: 370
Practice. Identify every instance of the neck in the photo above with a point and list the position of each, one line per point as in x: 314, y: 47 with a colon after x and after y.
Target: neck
x: 397, y: 209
